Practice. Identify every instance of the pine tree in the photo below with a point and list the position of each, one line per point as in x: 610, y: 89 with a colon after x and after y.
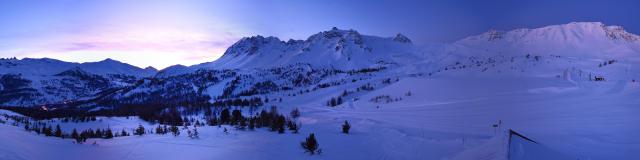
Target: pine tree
x: 159, y: 130
x: 124, y: 133
x: 281, y: 130
x: 278, y: 123
x: 26, y: 127
x: 74, y: 134
x: 212, y: 121
x: 44, y: 131
x: 108, y: 134
x: 58, y: 132
x: 49, y: 131
x: 225, y: 116
x: 236, y: 116
x: 252, y: 123
x: 295, y: 113
x: 345, y: 127
x: 195, y: 134
x: 139, y: 131
x: 83, y: 137
x: 292, y: 126
x: 311, y: 145
x: 165, y: 129
x: 36, y: 129
x: 89, y: 133
x: 98, y: 133
x: 174, y: 129
x: 186, y: 121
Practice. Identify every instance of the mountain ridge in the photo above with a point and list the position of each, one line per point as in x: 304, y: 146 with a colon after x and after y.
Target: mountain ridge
x: 335, y: 48
x: 49, y: 66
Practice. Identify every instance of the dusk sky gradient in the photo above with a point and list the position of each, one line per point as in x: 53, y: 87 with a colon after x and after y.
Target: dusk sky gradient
x: 161, y: 33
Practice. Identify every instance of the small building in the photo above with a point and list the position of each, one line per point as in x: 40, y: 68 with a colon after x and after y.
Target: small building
x: 599, y: 78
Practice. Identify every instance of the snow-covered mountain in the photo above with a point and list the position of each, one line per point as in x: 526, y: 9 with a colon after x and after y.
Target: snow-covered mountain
x: 336, y: 48
x: 110, y: 66
x: 48, y: 67
x: 28, y: 81
x: 341, y: 49
x: 578, y: 39
x: 577, y: 51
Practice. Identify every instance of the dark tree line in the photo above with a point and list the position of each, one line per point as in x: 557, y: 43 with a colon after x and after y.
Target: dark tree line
x: 365, y: 70
x: 80, y: 137
x: 173, y: 129
x: 40, y: 127
x: 272, y: 120
x: 98, y: 133
x: 169, y: 119
x: 40, y: 114
x: 256, y: 101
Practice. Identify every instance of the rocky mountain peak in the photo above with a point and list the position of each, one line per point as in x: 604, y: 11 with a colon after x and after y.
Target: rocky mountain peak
x: 401, y: 38
x: 337, y: 35
x: 618, y: 32
x: 251, y: 45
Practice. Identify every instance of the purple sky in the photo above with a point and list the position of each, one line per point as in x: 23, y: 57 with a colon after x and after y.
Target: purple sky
x: 161, y: 33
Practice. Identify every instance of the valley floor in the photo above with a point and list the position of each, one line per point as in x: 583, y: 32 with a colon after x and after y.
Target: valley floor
x: 442, y: 118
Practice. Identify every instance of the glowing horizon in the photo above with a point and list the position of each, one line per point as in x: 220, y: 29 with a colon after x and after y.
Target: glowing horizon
x: 141, y: 33
x: 159, y: 49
